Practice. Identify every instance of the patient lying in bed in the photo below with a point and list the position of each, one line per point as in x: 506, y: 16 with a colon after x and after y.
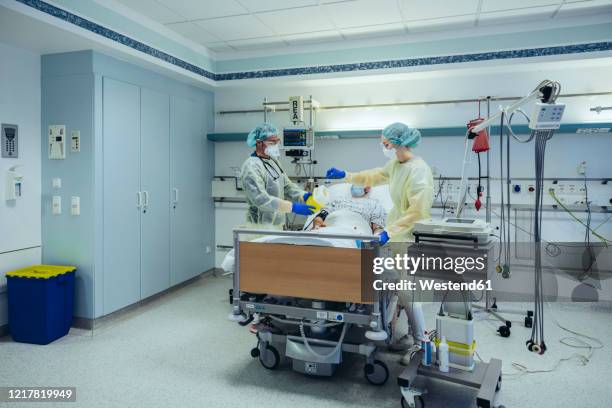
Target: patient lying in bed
x: 339, y: 222
x: 370, y: 209
x: 348, y: 214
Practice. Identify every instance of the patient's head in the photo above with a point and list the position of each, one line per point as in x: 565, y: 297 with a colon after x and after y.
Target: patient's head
x: 360, y: 192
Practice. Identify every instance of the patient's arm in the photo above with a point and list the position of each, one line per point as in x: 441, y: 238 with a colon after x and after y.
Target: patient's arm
x: 318, y: 223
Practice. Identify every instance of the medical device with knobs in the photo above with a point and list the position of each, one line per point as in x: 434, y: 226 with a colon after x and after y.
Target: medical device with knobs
x: 543, y: 92
x: 546, y: 115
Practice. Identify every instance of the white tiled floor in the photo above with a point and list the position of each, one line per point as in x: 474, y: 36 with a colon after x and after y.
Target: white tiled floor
x: 181, y: 351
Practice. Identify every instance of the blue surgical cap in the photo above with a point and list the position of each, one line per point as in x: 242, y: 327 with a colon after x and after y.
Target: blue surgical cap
x: 402, y: 135
x: 261, y: 132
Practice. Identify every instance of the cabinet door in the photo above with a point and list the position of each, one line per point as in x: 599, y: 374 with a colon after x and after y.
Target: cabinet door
x: 155, y: 186
x: 187, y: 183
x: 121, y: 150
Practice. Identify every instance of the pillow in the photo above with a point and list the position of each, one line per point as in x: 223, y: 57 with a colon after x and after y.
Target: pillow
x: 339, y: 191
x: 381, y: 193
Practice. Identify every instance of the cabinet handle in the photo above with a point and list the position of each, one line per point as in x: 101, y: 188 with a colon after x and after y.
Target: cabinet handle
x: 139, y: 195
x: 176, y: 195
x: 146, y: 200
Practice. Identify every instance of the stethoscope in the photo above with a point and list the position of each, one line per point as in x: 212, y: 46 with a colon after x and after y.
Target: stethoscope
x: 268, y: 167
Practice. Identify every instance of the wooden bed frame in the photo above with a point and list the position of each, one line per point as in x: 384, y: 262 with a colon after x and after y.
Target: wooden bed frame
x: 306, y: 271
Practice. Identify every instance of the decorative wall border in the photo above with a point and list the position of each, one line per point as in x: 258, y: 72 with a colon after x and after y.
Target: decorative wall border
x: 115, y: 36
x: 416, y: 62
x: 321, y: 69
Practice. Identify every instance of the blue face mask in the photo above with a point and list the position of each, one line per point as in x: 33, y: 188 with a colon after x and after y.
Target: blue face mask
x: 357, y: 191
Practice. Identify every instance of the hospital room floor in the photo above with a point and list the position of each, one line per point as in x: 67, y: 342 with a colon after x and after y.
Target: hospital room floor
x: 180, y: 350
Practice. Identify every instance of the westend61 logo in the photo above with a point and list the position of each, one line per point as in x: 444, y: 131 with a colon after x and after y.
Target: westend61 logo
x: 412, y: 264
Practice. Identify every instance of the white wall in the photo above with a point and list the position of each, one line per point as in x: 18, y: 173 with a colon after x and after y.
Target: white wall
x: 564, y: 152
x: 20, y: 220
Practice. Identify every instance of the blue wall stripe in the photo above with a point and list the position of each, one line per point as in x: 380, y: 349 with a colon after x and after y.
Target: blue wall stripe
x: 322, y: 69
x: 568, y: 128
x: 414, y: 62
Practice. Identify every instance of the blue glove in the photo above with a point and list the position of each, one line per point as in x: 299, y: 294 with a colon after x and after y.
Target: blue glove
x: 335, y: 173
x: 384, y: 238
x: 306, y: 195
x: 302, y: 209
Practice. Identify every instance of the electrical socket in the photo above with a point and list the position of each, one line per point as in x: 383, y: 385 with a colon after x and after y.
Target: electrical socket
x: 582, y: 168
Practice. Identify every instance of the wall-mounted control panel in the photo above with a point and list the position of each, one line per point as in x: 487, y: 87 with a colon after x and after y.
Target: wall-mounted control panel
x: 57, y: 142
x: 75, y: 141
x: 546, y: 116
x: 9, y: 140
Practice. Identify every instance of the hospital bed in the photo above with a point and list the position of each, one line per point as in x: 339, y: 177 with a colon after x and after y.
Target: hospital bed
x: 309, y: 299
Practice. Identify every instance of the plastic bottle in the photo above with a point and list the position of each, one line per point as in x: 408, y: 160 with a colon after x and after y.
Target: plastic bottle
x: 443, y: 356
x: 319, y: 198
x: 417, y: 321
x: 428, y: 349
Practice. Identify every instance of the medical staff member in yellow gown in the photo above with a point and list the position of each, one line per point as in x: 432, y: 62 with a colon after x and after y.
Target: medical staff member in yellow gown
x: 270, y: 194
x: 411, y: 188
x: 409, y: 178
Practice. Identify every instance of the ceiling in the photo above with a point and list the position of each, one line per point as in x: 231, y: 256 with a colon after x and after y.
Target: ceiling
x: 237, y: 25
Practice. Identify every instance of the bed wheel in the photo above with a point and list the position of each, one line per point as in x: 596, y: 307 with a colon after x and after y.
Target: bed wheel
x: 269, y: 357
x: 418, y: 402
x: 376, y: 372
x: 504, y: 331
x: 255, y: 352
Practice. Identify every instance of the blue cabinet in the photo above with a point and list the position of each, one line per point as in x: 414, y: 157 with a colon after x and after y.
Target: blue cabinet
x: 143, y: 175
x: 122, y: 197
x: 136, y: 140
x: 155, y: 187
x: 187, y: 183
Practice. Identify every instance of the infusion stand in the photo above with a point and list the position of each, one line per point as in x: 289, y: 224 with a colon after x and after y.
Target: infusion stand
x: 504, y: 331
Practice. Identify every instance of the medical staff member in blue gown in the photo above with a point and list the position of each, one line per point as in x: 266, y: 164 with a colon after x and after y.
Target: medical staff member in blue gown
x: 409, y: 178
x: 270, y: 194
x: 411, y: 188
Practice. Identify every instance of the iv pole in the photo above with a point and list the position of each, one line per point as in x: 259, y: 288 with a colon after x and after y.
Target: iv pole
x: 504, y: 331
x: 488, y: 307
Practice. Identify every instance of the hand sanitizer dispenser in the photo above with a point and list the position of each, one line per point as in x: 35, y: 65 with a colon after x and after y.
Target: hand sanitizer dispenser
x: 13, y: 184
